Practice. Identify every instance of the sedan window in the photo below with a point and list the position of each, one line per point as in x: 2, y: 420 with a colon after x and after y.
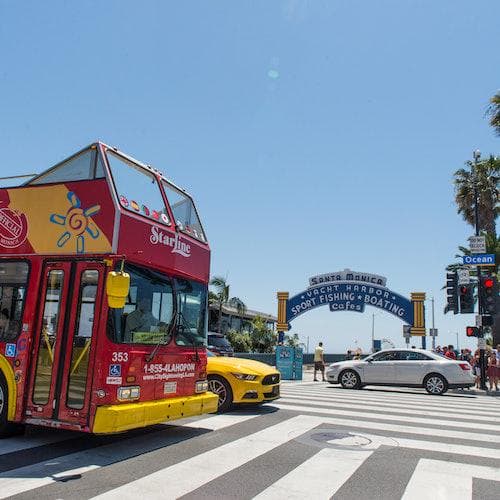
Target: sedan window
x: 385, y: 356
x: 412, y: 356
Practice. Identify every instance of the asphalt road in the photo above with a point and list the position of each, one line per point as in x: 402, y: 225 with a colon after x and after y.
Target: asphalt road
x: 317, y: 441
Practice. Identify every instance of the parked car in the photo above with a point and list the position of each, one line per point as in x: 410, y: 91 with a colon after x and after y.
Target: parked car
x: 402, y: 367
x: 238, y: 380
x: 219, y: 345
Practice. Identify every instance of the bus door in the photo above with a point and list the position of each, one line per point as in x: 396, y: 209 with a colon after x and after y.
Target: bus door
x: 71, y: 298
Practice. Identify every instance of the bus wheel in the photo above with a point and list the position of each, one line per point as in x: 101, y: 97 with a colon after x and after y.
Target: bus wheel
x: 221, y: 387
x: 6, y: 429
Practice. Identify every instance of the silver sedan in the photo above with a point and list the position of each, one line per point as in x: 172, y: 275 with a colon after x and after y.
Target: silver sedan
x: 403, y: 367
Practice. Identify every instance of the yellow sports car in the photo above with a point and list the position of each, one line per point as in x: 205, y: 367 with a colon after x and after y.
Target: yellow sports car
x: 238, y: 380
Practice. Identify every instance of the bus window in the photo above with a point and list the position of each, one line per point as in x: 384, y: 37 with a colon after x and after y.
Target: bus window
x: 137, y: 189
x: 148, y: 313
x: 13, y: 280
x: 184, y: 212
x: 191, y: 312
x: 50, y: 323
x: 80, y: 354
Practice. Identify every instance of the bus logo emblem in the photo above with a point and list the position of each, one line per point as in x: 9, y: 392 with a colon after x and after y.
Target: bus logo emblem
x: 13, y: 228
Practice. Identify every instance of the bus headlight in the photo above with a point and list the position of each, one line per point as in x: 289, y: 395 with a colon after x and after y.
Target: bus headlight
x: 129, y: 393
x: 201, y: 386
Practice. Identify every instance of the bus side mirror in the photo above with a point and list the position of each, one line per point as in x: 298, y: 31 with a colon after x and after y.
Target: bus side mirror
x: 117, y: 289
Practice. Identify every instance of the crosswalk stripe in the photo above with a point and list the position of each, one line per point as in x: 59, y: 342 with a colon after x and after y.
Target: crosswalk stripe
x: 319, y: 477
x: 20, y: 443
x: 186, y: 476
x: 35, y: 476
x: 363, y: 394
x: 489, y: 415
x: 448, y: 480
x: 406, y: 429
x: 416, y: 420
x: 456, y: 449
x: 222, y: 421
x: 402, y: 410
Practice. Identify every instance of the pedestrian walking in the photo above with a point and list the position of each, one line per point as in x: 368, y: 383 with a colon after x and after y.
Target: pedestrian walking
x: 476, y: 369
x: 319, y: 363
x: 493, y: 371
x: 450, y: 353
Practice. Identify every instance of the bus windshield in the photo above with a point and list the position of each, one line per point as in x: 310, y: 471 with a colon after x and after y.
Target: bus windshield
x: 191, y: 312
x: 155, y: 306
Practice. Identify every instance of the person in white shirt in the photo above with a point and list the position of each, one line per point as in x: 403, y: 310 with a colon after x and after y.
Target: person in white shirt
x: 319, y: 363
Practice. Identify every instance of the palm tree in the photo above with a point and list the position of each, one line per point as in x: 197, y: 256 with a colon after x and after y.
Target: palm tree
x: 487, y: 177
x: 221, y: 298
x: 494, y: 112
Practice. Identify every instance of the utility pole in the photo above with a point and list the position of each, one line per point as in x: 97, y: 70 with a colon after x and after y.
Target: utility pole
x: 482, y: 361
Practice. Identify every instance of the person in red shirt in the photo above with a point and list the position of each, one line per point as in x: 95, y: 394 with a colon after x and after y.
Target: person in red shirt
x: 450, y: 353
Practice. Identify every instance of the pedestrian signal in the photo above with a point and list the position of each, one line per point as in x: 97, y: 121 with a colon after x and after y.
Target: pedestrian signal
x: 472, y: 331
x: 466, y: 299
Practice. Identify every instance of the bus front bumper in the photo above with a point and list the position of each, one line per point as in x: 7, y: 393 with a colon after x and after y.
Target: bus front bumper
x: 123, y: 417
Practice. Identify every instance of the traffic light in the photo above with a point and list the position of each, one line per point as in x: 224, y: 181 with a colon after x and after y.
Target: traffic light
x: 472, y: 331
x: 489, y: 294
x: 451, y: 293
x: 466, y: 298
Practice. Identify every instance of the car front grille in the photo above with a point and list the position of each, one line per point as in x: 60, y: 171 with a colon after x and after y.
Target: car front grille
x: 272, y: 379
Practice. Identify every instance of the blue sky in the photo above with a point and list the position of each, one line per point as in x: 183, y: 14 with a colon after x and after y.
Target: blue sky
x: 314, y: 136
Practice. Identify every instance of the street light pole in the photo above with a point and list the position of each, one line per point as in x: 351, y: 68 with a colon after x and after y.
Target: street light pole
x: 482, y: 361
x: 373, y: 332
x: 433, y: 336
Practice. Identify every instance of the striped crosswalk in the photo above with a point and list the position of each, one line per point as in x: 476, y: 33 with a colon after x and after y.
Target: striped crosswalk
x: 316, y: 441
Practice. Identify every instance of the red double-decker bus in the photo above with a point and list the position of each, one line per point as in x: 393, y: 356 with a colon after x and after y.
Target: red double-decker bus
x: 104, y: 269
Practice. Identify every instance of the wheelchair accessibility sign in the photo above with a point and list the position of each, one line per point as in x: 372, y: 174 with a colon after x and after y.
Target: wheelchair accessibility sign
x: 10, y: 350
x: 115, y: 370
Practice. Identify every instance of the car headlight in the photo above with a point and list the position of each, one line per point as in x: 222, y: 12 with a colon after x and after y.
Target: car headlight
x: 129, y: 393
x: 244, y: 376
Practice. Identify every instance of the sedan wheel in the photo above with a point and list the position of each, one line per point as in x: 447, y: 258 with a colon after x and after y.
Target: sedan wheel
x: 349, y: 379
x: 435, y: 384
x: 221, y: 388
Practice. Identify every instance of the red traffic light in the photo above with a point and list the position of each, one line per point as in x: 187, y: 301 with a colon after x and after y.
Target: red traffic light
x: 488, y: 283
x: 463, y: 290
x: 471, y: 331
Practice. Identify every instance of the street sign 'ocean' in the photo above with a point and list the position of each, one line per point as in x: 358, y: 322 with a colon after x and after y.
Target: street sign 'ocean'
x: 485, y: 259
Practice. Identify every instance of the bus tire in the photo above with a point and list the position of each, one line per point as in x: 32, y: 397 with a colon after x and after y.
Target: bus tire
x: 6, y: 428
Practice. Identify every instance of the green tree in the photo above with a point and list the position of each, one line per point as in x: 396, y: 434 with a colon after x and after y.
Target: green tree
x: 263, y: 338
x: 241, y: 341
x: 221, y: 298
x: 292, y: 340
x: 487, y: 176
x: 494, y: 112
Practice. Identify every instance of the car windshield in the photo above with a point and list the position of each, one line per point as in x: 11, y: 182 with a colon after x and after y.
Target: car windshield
x: 218, y: 342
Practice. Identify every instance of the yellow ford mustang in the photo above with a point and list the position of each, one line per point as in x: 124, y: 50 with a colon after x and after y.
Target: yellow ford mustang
x: 238, y: 380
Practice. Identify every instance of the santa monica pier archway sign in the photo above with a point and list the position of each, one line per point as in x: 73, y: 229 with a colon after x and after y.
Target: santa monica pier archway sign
x: 351, y: 291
